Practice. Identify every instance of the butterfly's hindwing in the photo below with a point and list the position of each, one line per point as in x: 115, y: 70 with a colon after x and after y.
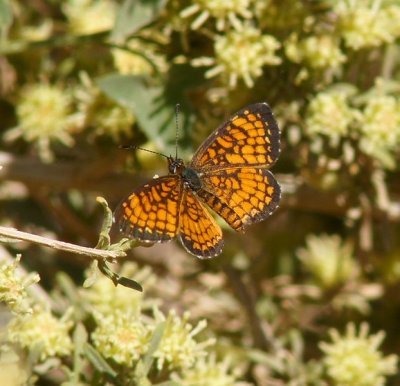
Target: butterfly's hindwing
x: 241, y: 196
x: 199, y: 233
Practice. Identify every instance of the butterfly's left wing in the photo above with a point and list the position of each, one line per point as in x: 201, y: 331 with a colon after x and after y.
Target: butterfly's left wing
x: 248, y: 138
x: 150, y: 213
x: 241, y: 196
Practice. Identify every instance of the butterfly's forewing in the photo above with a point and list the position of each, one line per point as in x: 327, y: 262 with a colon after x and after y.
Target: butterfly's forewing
x: 249, y: 138
x: 241, y: 196
x: 151, y: 213
x: 199, y: 233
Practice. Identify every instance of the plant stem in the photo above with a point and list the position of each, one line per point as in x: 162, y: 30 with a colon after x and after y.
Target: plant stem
x: 12, y: 235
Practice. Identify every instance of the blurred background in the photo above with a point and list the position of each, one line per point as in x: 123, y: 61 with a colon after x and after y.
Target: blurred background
x: 308, y: 297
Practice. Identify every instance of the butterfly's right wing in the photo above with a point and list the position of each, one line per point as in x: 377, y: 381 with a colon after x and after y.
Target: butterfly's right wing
x: 250, y: 138
x: 241, y: 196
x: 151, y: 213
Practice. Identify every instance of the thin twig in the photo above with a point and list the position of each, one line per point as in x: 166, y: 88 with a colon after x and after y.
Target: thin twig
x: 11, y: 234
x: 261, y: 337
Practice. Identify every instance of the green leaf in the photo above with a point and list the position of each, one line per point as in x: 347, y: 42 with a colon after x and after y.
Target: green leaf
x: 134, y: 15
x: 68, y: 287
x: 6, y: 15
x: 117, y: 279
x: 154, y: 112
x: 92, y: 275
x: 154, y: 344
x: 80, y: 337
x: 123, y: 245
x: 104, y: 237
x: 129, y: 283
x: 98, y: 361
x: 168, y: 383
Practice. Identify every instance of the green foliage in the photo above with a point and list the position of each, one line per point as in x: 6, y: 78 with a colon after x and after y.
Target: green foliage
x: 308, y: 297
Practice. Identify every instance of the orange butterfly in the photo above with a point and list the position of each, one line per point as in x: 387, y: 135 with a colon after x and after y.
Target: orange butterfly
x: 228, y: 173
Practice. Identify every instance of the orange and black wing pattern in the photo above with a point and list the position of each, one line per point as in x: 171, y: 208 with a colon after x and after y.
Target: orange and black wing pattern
x: 241, y: 196
x: 249, y: 138
x: 199, y: 233
x: 151, y: 213
x: 232, y: 165
x: 228, y: 173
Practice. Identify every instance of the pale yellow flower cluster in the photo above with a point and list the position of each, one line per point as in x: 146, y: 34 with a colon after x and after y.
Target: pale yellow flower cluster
x: 317, y: 51
x: 380, y: 128
x: 125, y: 337
x: 329, y: 259
x: 13, y: 287
x: 45, y: 115
x: 32, y: 327
x: 208, y: 371
x: 90, y: 16
x: 38, y: 32
x: 121, y: 336
x: 222, y: 11
x: 367, y: 23
x: 375, y: 122
x: 42, y: 332
x: 241, y: 56
x: 329, y: 113
x: 123, y: 332
x: 50, y: 114
x: 178, y: 348
x: 133, y: 62
x: 353, y: 359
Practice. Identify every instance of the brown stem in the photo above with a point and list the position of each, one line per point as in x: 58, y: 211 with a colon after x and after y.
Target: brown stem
x: 261, y: 338
x: 12, y: 235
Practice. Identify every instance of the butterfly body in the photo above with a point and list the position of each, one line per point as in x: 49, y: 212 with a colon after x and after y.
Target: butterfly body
x: 228, y: 174
x: 192, y: 179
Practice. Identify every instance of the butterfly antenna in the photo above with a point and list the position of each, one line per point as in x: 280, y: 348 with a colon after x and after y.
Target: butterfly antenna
x: 177, y: 110
x: 134, y: 147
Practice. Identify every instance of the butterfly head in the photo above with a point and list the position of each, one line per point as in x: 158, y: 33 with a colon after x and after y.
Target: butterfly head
x: 175, y: 165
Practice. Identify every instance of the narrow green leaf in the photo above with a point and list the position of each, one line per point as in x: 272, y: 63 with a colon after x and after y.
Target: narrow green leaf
x: 104, y: 237
x: 124, y: 245
x: 134, y: 15
x: 154, y: 344
x: 80, y: 337
x: 6, y: 15
x: 92, y: 275
x: 129, y: 283
x: 98, y: 361
x: 68, y: 287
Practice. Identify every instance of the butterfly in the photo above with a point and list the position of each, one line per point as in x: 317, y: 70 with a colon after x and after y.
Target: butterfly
x: 228, y: 173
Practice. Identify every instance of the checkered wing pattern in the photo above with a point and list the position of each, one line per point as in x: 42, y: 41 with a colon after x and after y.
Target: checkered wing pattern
x: 199, y: 233
x: 249, y: 138
x: 228, y: 173
x: 151, y: 213
x: 241, y: 196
